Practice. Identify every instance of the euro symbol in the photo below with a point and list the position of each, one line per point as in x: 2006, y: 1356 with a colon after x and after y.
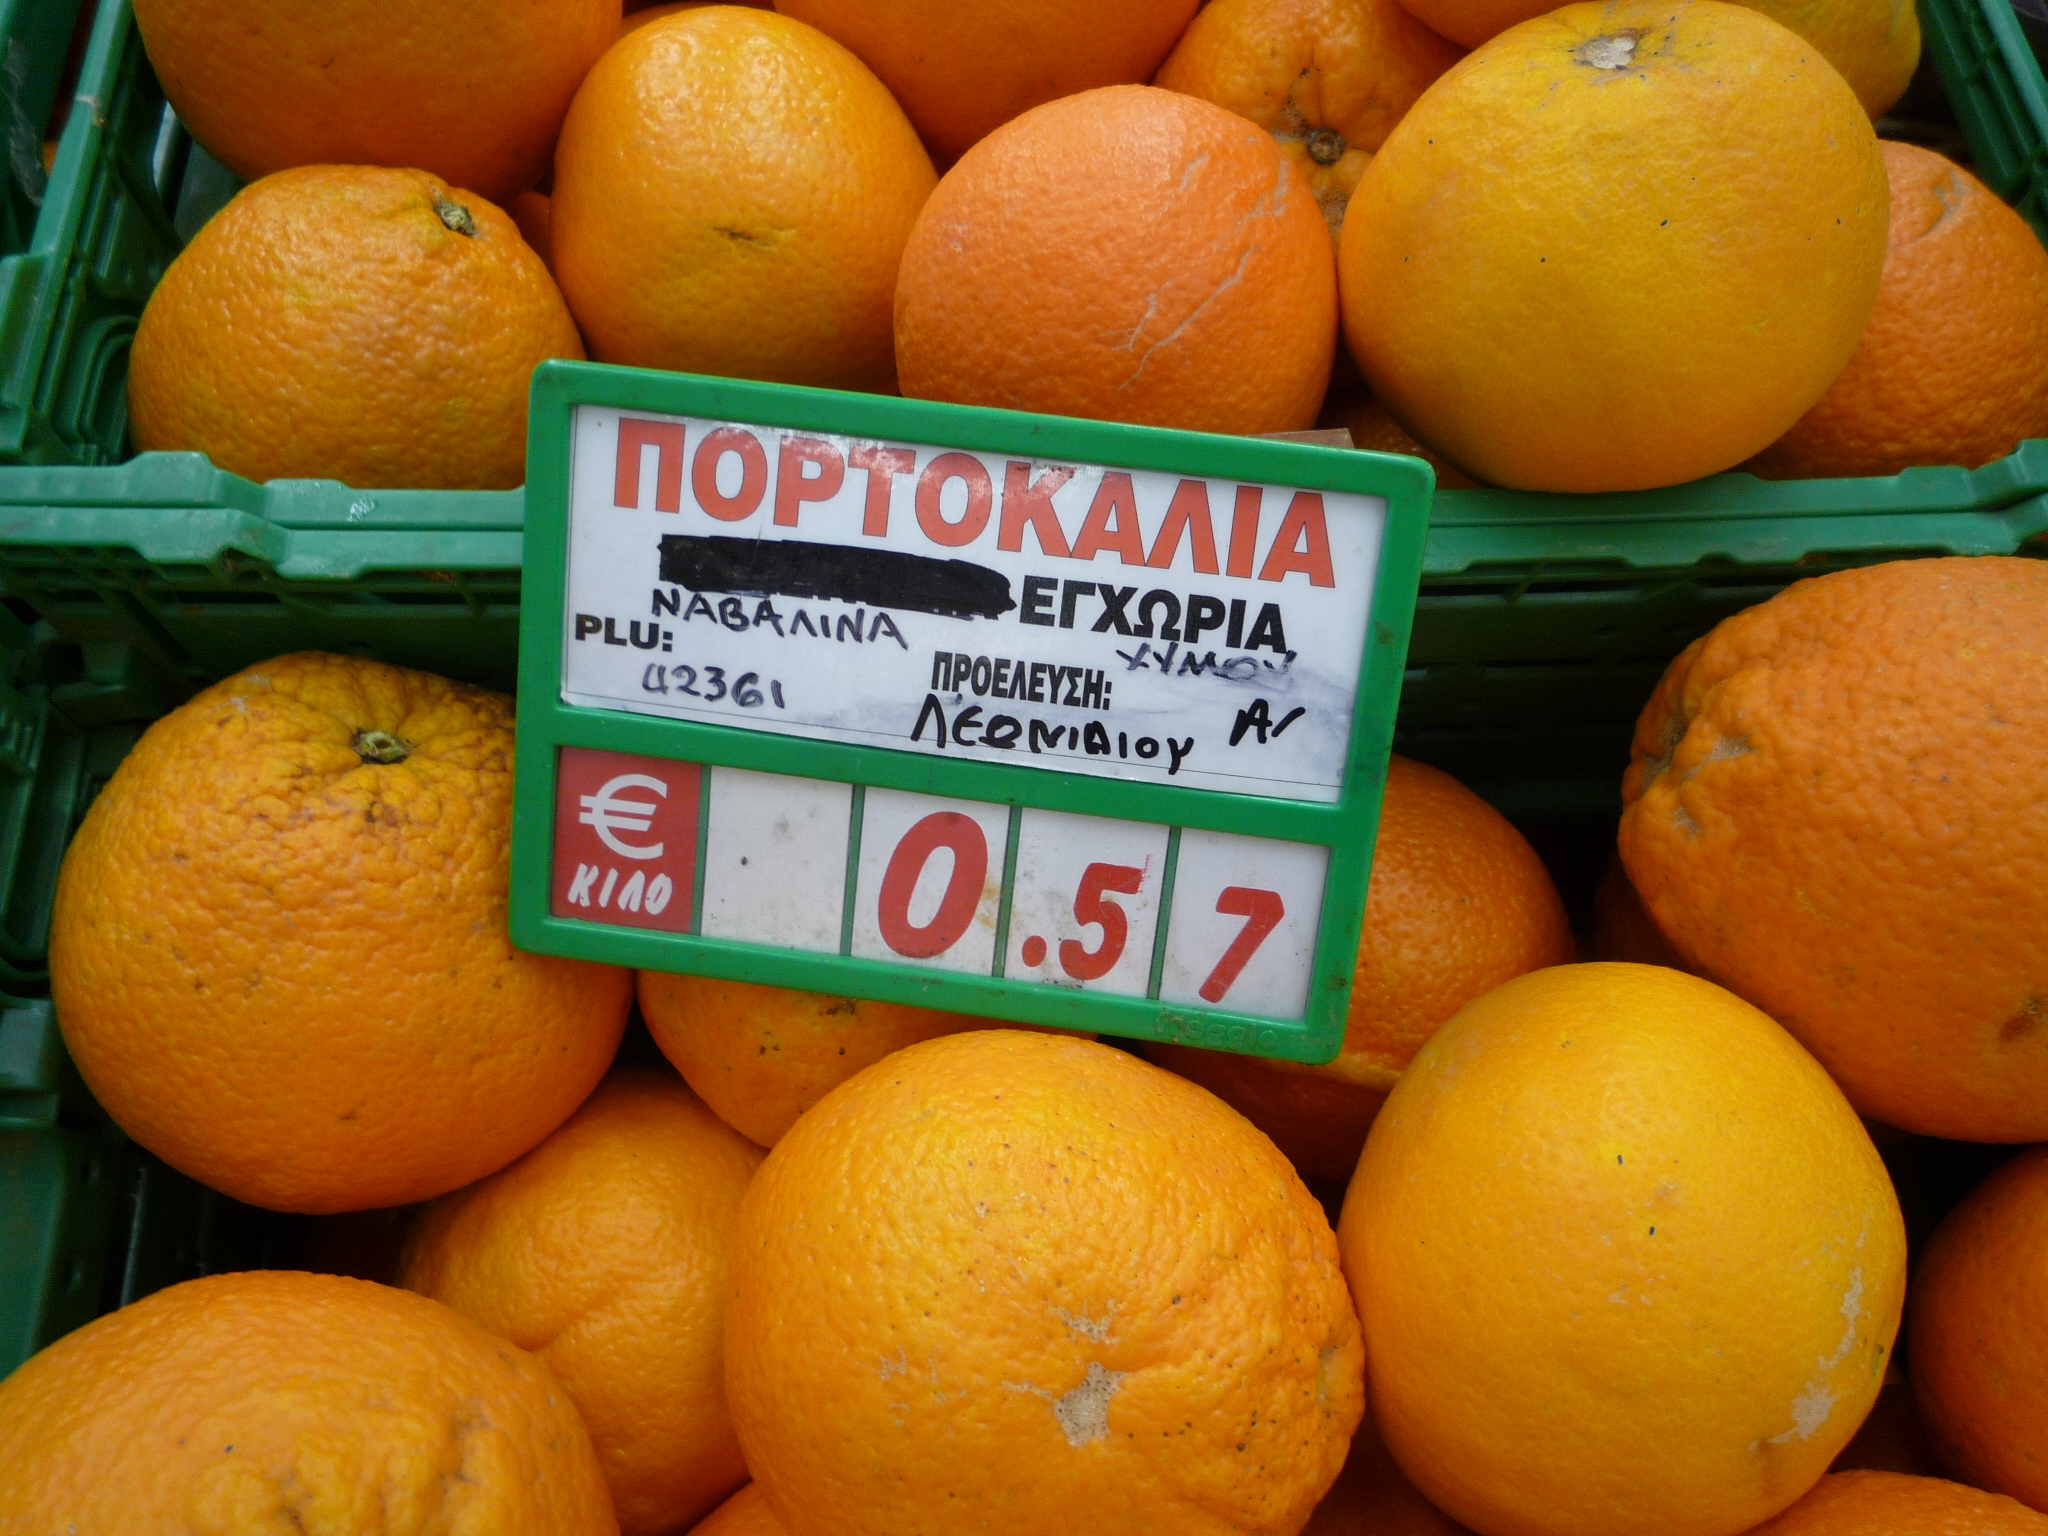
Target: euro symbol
x: 606, y: 812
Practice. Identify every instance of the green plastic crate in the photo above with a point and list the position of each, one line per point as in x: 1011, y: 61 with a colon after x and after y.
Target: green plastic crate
x: 170, y: 573
x: 81, y: 254
x: 88, y: 1221
x: 1543, y: 623
x: 1993, y: 82
x: 34, y: 38
x: 1546, y: 620
x: 62, y: 1168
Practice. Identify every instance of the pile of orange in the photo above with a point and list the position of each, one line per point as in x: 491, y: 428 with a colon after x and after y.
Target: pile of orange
x: 1613, y: 246
x: 988, y: 1278
x: 1550, y: 1249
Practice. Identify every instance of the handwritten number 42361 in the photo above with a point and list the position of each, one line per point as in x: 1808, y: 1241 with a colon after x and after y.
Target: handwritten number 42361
x: 745, y: 690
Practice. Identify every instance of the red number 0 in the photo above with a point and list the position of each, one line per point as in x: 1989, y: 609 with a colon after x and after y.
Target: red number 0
x: 941, y: 829
x: 1262, y: 911
x: 1092, y: 910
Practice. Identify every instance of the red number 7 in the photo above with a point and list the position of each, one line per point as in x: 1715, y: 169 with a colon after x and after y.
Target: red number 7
x: 1262, y: 911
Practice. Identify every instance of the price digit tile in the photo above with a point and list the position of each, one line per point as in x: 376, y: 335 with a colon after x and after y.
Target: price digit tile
x: 775, y: 859
x: 930, y: 882
x: 1242, y: 933
x: 1085, y: 906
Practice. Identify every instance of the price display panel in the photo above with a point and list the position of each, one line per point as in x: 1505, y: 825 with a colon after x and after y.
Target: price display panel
x: 1062, y: 722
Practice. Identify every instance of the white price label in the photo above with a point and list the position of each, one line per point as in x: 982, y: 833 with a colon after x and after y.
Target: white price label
x: 1137, y: 625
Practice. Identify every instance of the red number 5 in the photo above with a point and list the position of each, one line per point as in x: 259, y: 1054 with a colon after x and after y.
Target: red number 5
x: 1262, y: 911
x: 1091, y: 909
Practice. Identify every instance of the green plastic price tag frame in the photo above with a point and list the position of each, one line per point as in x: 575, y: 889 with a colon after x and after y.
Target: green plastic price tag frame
x: 1056, y: 721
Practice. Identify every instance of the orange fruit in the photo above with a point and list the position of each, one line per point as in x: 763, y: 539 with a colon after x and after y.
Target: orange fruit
x: 640, y: 12
x: 370, y: 326
x: 636, y: 19
x: 1372, y: 427
x: 1316, y: 1116
x: 1894, y: 1504
x: 1980, y: 1333
x: 638, y: 16
x: 1623, y: 929
x: 746, y: 1513
x: 364, y: 1245
x: 732, y: 193
x: 1459, y: 903
x: 1513, y: 260
x: 472, y: 91
x: 963, y: 70
x: 279, y: 954
x: 1016, y: 1283
x: 1834, y: 809
x: 266, y: 1401
x: 1953, y: 367
x: 1128, y: 254
x: 604, y: 1251
x: 1373, y: 1497
x: 1874, y: 44
x: 1327, y: 78
x: 1893, y: 1438
x: 760, y: 1056
x: 531, y: 211
x: 1625, y: 1258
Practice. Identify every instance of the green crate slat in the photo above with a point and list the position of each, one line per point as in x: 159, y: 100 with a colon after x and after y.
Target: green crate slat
x: 1994, y: 82
x: 100, y: 241
x: 1544, y: 621
x: 60, y: 1217
x: 34, y: 36
x: 89, y: 1221
x: 34, y: 242
x: 1544, y: 614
